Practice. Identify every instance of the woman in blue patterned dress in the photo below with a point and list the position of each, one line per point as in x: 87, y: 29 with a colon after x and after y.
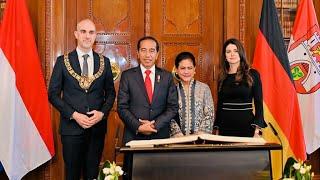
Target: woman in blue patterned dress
x: 196, y: 109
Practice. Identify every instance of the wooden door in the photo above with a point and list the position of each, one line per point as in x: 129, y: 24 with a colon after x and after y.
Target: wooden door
x: 189, y: 25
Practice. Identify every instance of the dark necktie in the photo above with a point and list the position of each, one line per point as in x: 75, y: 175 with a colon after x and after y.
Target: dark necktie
x: 148, y: 84
x: 85, y: 65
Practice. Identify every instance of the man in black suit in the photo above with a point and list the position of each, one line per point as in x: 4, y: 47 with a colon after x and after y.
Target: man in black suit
x: 147, y: 97
x: 81, y: 88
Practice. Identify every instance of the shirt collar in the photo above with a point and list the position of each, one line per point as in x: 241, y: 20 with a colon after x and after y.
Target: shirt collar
x: 81, y: 53
x: 152, y: 69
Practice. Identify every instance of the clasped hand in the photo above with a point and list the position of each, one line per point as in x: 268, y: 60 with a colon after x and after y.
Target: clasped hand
x: 146, y: 127
x: 85, y: 121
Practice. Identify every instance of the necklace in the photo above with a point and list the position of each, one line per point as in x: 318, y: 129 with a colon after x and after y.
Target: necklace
x: 84, y: 81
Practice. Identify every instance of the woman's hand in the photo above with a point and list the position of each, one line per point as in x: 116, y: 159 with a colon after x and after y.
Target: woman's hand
x: 257, y: 133
x: 215, y: 131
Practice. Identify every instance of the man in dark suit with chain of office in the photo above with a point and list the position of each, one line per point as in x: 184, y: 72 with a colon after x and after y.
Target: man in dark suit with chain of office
x: 82, y: 89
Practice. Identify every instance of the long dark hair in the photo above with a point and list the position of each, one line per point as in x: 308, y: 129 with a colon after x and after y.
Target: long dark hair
x: 243, y: 69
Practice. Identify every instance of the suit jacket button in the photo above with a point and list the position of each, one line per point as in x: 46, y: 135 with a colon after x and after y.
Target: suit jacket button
x: 150, y: 109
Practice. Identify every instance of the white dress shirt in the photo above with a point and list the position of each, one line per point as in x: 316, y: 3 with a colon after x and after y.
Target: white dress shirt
x: 89, y: 60
x: 152, y: 74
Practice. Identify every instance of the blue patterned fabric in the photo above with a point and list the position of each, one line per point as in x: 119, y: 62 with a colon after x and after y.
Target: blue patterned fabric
x: 196, y: 110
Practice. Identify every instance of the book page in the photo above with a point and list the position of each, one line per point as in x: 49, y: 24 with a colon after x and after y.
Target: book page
x: 193, y: 138
x: 151, y: 143
x: 211, y: 137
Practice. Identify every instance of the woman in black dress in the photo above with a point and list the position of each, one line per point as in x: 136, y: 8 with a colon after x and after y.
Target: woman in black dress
x: 240, y: 103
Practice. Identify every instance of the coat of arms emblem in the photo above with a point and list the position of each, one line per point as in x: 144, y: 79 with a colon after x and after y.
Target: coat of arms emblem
x: 304, y: 56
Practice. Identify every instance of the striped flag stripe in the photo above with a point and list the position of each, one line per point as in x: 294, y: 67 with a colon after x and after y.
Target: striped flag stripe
x: 279, y: 95
x: 25, y: 124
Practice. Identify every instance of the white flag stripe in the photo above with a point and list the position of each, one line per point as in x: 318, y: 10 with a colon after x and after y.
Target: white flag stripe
x: 22, y: 148
x: 304, y: 58
x: 311, y: 120
x: 309, y: 103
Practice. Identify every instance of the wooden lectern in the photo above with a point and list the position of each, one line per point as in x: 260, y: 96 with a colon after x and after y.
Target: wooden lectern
x: 205, y: 161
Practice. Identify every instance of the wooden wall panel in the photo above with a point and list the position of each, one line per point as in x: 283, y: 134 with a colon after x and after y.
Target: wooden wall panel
x: 115, y: 13
x: 242, y: 22
x: 231, y: 21
x: 316, y: 4
x: 56, y: 34
x: 217, y: 37
x: 182, y: 18
x: 252, y: 20
x: 170, y: 50
x: 190, y: 25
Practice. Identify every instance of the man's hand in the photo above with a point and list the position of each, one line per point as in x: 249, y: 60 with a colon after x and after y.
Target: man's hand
x: 82, y: 119
x: 96, y: 116
x: 146, y: 127
x: 151, y: 123
x: 143, y: 121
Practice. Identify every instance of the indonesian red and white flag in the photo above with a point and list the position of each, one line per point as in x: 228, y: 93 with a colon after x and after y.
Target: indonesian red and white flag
x: 304, y: 58
x: 25, y: 125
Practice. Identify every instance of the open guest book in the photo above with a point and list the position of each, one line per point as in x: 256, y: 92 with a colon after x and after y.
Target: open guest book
x: 196, y: 139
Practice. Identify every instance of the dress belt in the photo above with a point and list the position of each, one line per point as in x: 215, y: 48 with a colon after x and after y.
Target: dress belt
x: 237, y: 106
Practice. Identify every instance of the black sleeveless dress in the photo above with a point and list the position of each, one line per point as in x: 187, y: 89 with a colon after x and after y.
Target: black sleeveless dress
x: 236, y: 105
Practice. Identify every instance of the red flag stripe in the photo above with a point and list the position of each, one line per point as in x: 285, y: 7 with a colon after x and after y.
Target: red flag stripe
x: 307, y: 14
x: 279, y: 95
x: 305, y: 66
x: 18, y: 43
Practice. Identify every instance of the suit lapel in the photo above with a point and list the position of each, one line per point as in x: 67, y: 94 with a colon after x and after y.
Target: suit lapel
x: 96, y: 64
x: 139, y: 78
x: 157, y: 81
x: 74, y: 61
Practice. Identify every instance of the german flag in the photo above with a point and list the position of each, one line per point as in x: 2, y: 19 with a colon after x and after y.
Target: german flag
x: 281, y: 107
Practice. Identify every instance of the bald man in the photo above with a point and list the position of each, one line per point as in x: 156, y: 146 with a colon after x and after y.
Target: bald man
x: 81, y: 89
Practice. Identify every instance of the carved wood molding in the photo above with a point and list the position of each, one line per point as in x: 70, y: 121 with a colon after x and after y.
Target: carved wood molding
x: 110, y: 33
x: 90, y: 9
x: 242, y: 20
x: 164, y: 18
x: 98, y: 20
x: 147, y: 17
x: 47, y: 25
x: 45, y: 38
